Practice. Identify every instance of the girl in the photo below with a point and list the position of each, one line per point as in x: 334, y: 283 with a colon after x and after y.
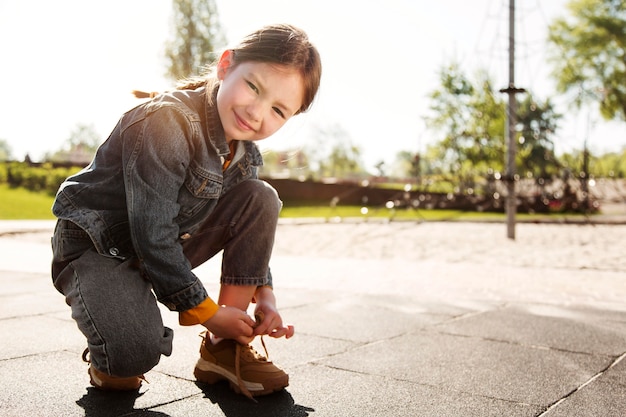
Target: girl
x: 174, y: 184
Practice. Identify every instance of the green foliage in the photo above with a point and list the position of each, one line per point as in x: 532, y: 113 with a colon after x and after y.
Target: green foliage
x: 535, y: 150
x: 609, y: 165
x: 471, y: 118
x: 588, y: 54
x: 45, y: 178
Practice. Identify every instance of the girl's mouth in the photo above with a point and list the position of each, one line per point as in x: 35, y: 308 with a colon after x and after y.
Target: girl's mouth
x: 242, y: 123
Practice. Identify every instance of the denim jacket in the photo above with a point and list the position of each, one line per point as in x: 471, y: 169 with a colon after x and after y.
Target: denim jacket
x: 152, y: 183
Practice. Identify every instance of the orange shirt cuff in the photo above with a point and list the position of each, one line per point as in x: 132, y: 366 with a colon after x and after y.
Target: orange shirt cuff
x: 199, y: 314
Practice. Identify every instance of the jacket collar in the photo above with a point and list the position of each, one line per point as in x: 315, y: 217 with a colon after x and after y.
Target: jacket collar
x: 215, y: 131
x: 213, y: 125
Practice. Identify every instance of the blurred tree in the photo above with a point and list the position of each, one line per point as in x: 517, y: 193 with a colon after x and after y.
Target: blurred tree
x: 484, y: 147
x: 334, y: 154
x: 471, y: 120
x: 84, y: 137
x: 535, y: 150
x: 344, y: 161
x: 588, y: 52
x: 291, y: 163
x: 197, y: 35
x: 407, y: 165
x: 471, y: 117
x: 79, y: 148
x: 5, y: 151
x: 609, y: 165
x: 450, y: 107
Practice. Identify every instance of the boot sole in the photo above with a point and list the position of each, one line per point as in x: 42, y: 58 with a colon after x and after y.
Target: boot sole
x: 210, y: 373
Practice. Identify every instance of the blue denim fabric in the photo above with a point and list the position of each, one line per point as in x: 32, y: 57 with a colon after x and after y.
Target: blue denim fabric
x: 152, y: 183
x: 111, y: 298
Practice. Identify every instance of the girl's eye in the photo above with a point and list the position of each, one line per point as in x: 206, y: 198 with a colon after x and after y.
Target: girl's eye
x: 252, y: 87
x: 279, y: 112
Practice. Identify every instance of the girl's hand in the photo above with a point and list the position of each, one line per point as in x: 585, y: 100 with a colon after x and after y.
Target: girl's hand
x: 231, y: 323
x: 271, y: 324
x: 269, y: 321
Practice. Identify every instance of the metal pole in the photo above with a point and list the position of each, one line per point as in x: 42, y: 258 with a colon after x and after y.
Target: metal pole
x: 511, y: 205
x: 511, y: 171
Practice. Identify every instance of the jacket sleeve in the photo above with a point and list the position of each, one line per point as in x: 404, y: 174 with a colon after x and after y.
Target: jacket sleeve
x: 154, y: 172
x: 199, y: 314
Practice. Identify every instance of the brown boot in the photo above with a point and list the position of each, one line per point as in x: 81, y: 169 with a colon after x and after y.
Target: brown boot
x: 107, y: 382
x: 248, y: 372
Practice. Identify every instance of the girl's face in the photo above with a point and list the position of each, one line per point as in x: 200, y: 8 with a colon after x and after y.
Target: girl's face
x: 256, y: 99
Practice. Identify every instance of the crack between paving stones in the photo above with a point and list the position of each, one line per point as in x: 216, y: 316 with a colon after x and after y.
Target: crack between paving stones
x: 355, y: 345
x: 134, y: 411
x: 468, y: 315
x: 341, y: 352
x: 501, y: 307
x: 423, y: 384
x: 23, y: 232
x: 508, y: 342
x: 47, y: 314
x: 199, y: 394
x: 589, y: 381
x: 46, y: 352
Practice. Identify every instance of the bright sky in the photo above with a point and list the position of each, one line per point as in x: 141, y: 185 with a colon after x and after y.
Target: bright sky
x: 69, y: 62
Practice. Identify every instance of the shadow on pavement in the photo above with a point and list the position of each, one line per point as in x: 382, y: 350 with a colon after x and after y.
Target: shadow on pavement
x: 235, y: 405
x: 99, y: 403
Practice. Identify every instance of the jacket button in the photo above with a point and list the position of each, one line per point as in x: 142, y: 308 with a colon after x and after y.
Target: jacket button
x: 185, y: 236
x: 114, y: 251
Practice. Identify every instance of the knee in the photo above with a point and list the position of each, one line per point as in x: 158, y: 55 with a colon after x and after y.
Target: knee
x: 131, y: 356
x: 264, y: 197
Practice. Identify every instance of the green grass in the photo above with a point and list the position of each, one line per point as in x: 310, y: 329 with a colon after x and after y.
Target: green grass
x: 354, y: 212
x: 330, y: 213
x: 22, y: 204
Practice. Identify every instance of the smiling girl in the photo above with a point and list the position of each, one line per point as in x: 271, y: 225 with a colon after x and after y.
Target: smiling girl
x: 173, y: 185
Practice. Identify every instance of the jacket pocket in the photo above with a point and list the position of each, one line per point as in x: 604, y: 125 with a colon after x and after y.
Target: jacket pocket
x: 69, y: 242
x: 201, y: 185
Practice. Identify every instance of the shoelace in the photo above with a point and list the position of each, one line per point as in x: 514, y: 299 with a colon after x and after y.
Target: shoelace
x: 251, y: 351
x: 258, y: 316
x: 84, y: 356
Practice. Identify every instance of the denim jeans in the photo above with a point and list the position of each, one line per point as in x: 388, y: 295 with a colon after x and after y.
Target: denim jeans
x: 112, y: 300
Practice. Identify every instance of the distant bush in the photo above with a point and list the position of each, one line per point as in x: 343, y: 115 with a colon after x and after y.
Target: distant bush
x: 35, y: 177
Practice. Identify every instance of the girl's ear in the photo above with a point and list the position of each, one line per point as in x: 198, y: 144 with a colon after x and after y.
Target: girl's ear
x: 224, y: 64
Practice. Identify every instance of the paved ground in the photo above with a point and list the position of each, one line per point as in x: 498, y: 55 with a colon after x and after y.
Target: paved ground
x: 396, y: 319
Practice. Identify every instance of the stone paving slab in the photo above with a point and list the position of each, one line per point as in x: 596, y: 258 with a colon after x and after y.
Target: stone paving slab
x: 590, y: 331
x: 333, y: 391
x: 449, y: 334
x: 605, y: 396
x: 476, y: 366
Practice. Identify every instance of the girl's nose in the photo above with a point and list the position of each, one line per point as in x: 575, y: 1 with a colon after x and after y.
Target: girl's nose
x: 254, y: 111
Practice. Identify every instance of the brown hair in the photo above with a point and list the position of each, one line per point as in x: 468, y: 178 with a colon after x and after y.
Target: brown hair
x: 275, y: 44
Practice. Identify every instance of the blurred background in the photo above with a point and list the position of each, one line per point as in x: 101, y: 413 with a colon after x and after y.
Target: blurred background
x: 409, y: 107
